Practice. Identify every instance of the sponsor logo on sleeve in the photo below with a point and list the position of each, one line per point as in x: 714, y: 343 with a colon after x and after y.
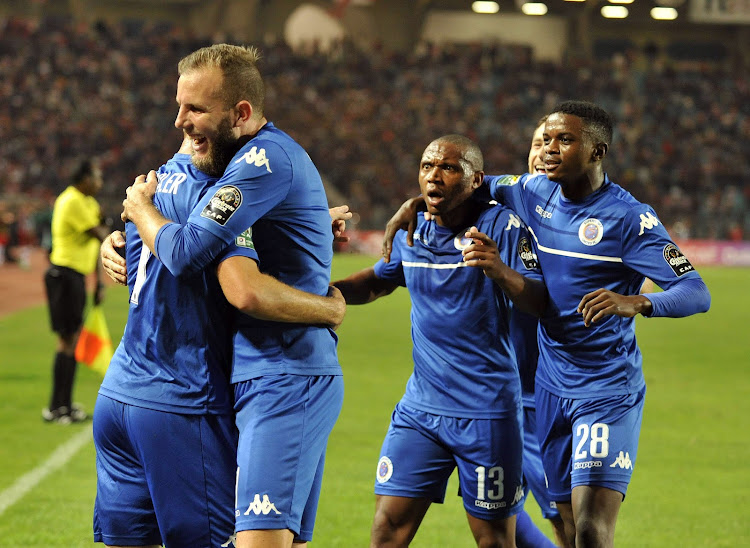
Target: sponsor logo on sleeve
x: 676, y: 260
x: 245, y: 239
x: 648, y: 221
x: 590, y: 232
x: 527, y: 255
x: 223, y: 204
x: 508, y: 180
x: 256, y: 157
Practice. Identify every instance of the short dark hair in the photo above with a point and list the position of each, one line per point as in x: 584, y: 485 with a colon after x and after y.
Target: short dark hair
x: 596, y: 121
x: 472, y: 153
x: 85, y: 169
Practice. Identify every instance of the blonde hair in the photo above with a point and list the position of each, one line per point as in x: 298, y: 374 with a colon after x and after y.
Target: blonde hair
x: 238, y: 65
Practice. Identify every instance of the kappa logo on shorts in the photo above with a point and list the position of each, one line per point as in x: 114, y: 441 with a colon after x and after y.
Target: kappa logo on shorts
x: 259, y: 507
x: 518, y: 496
x: 676, y: 260
x: 385, y: 469
x: 527, y: 255
x: 231, y: 541
x: 623, y: 461
x: 223, y: 204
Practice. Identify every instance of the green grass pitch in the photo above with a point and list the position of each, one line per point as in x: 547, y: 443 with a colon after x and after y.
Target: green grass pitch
x: 690, y: 486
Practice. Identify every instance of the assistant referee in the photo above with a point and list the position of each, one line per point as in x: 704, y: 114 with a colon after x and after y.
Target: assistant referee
x: 77, y: 230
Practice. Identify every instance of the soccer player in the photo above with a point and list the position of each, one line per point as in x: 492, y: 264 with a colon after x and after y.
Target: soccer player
x: 523, y: 329
x: 170, y: 376
x: 287, y: 380
x: 462, y: 406
x: 77, y: 230
x: 596, y: 244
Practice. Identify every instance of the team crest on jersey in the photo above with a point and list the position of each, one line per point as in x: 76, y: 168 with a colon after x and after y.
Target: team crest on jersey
x: 385, y: 469
x: 527, y: 255
x: 676, y: 260
x: 462, y: 242
x: 245, y: 239
x: 223, y: 204
x: 590, y: 232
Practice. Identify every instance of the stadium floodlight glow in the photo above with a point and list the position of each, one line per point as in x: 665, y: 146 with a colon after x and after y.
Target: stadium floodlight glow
x: 664, y: 14
x: 620, y: 1
x: 575, y: 0
x: 534, y: 8
x: 485, y: 7
x: 614, y: 12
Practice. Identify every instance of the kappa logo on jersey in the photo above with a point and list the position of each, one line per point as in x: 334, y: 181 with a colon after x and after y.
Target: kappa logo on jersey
x: 676, y: 260
x: 245, y: 239
x: 508, y: 180
x: 590, y: 232
x: 648, y: 221
x: 513, y: 222
x: 623, y: 461
x: 223, y: 204
x: 542, y: 213
x: 385, y: 469
x: 518, y: 496
x: 527, y: 255
x: 256, y: 157
x: 259, y: 507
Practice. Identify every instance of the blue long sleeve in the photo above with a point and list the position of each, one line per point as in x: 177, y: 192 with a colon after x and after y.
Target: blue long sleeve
x: 688, y: 297
x: 185, y: 249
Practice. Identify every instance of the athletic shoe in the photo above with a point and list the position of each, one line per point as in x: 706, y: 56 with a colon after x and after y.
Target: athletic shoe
x: 59, y: 415
x: 62, y: 415
x: 77, y: 413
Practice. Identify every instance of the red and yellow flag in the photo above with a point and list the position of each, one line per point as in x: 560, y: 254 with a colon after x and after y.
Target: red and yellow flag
x: 94, y: 347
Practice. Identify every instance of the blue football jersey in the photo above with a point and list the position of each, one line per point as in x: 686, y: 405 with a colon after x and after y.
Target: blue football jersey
x: 271, y: 194
x: 608, y: 240
x: 176, y: 352
x: 464, y: 364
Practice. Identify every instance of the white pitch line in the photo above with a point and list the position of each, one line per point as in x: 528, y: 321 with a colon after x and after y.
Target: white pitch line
x: 56, y: 460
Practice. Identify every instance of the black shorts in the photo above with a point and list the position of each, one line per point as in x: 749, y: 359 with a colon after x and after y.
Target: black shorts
x: 66, y: 295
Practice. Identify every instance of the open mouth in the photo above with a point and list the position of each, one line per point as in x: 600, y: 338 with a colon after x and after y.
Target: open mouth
x: 200, y: 144
x: 433, y: 199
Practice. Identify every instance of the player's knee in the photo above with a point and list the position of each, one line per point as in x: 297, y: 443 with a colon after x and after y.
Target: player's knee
x: 386, y: 531
x: 593, y: 533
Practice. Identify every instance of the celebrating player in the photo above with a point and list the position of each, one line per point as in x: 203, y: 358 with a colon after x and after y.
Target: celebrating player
x: 596, y: 244
x: 462, y: 405
x: 287, y: 381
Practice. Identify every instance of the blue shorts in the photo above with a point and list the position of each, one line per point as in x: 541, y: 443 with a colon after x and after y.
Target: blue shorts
x: 533, y: 471
x: 421, y: 450
x: 284, y: 423
x: 588, y: 441
x: 162, y: 477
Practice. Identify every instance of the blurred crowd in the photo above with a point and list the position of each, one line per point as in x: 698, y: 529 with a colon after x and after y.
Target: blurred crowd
x: 70, y: 90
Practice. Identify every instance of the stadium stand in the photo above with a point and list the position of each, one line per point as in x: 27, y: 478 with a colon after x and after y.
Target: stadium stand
x: 69, y: 89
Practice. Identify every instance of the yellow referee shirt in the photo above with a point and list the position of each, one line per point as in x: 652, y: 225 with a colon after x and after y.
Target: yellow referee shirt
x: 72, y: 246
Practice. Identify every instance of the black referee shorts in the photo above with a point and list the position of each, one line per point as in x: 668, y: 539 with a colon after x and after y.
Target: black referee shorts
x: 66, y: 296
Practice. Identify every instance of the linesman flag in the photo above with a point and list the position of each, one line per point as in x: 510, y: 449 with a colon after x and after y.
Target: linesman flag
x: 94, y: 347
